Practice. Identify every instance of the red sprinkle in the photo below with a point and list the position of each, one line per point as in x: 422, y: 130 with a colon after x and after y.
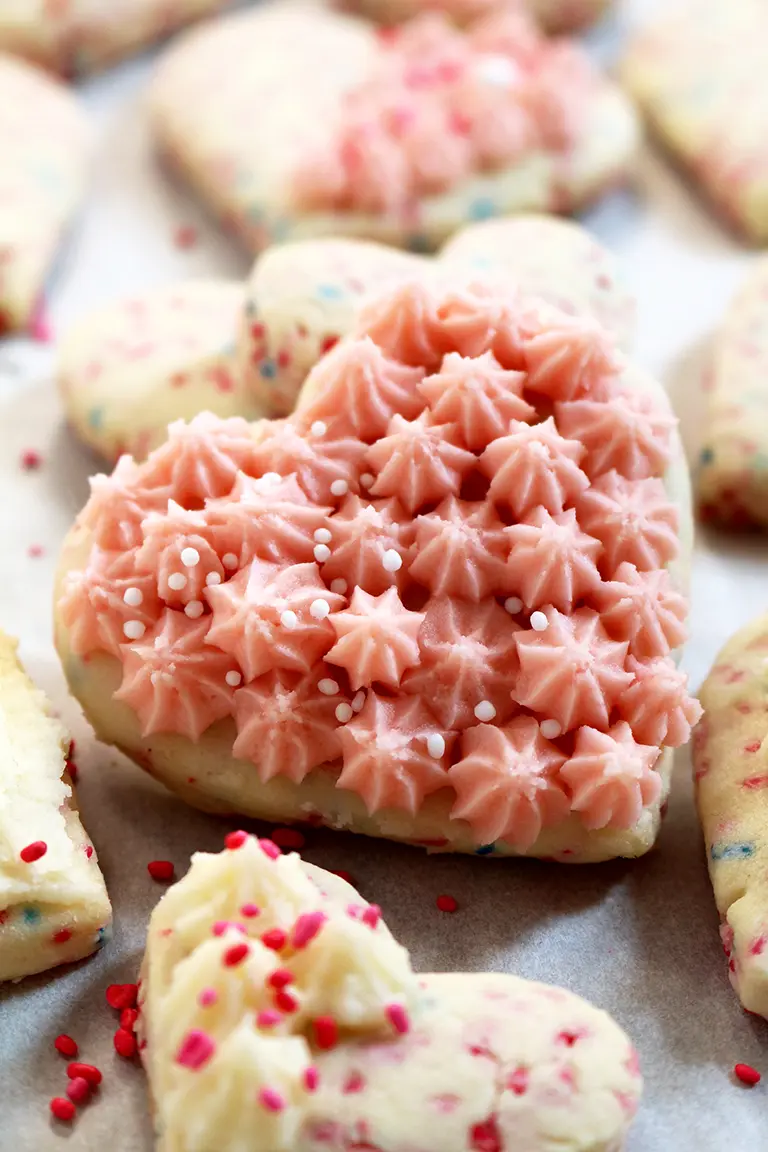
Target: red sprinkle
x: 286, y: 1001
x: 196, y: 1049
x: 311, y: 1078
x: 31, y: 460
x: 121, y: 996
x: 161, y: 870
x: 371, y: 915
x: 747, y: 1074
x: 250, y: 910
x: 288, y: 838
x: 328, y: 343
x: 326, y: 1032
x: 62, y: 936
x: 185, y: 236
x: 128, y: 1018
x: 398, y: 1018
x: 62, y: 1109
x: 342, y: 875
x: 307, y: 927
x: 447, y: 903
x: 269, y: 848
x: 235, y: 955
x: 235, y: 840
x: 125, y: 1043
x: 78, y: 1090
x: 33, y: 851
x: 87, y: 1072
x: 517, y: 1081
x: 271, y: 1100
x: 275, y: 939
x: 66, y: 1046
x: 280, y: 978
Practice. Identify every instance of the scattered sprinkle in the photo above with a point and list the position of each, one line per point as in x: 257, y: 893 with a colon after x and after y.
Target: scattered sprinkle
x: 34, y: 851
x: 30, y: 460
x: 185, y: 236
x: 323, y: 536
x: 177, y: 581
x: 747, y: 1074
x: 318, y: 428
x: 62, y: 936
x: 280, y: 978
x: 392, y: 561
x: 311, y: 1078
x: 62, y: 1109
x: 128, y: 1018
x: 513, y: 605
x: 371, y: 915
x: 133, y: 597
x: 233, y: 679
x: 235, y: 839
x: 194, y: 609
x: 485, y: 711
x: 398, y: 1018
x: 326, y: 1032
x: 87, y: 1072
x: 229, y: 560
x: 274, y: 939
x: 196, y: 1049
x: 328, y: 687
x: 66, y: 1046
x: 319, y: 608
x: 212, y: 579
x: 271, y: 1099
x: 160, y: 870
x: 35, y: 551
x: 343, y: 713
x: 550, y: 729
x: 447, y: 903
x: 289, y: 838
x: 289, y: 619
x: 321, y: 552
x: 134, y: 629
x: 78, y: 1090
x: 250, y: 911
x: 366, y: 480
x: 436, y: 745
x: 339, y: 488
x: 207, y: 997
x: 307, y: 927
x: 538, y: 621
x: 286, y: 1001
x: 270, y: 848
x: 125, y: 1044
x: 190, y: 557
x: 339, y: 585
x: 235, y: 955
x: 121, y: 996
x: 268, y: 1018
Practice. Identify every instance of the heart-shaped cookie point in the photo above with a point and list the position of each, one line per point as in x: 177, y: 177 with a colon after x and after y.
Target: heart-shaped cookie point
x: 279, y: 1012
x: 415, y: 607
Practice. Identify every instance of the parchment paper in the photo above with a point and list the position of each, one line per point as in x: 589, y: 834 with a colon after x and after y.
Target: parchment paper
x: 640, y: 939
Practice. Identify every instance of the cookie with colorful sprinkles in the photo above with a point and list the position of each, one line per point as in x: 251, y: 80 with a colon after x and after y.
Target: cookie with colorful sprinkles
x: 293, y: 121
x: 731, y: 779
x: 440, y: 603
x: 54, y: 907
x: 555, y: 16
x: 277, y: 1012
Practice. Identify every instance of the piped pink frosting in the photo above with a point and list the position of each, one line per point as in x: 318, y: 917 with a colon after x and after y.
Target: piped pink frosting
x: 269, y: 517
x: 202, y: 459
x: 361, y: 534
x: 534, y: 465
x: 634, y: 520
x: 376, y: 639
x: 644, y: 608
x: 477, y: 396
x: 119, y: 503
x: 418, y: 462
x: 459, y: 550
x: 611, y: 777
x: 93, y: 605
x: 551, y: 560
x: 657, y: 704
x: 631, y: 435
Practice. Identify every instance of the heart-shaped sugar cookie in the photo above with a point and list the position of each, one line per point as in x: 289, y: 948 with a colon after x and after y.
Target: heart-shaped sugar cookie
x: 278, y: 1012
x: 437, y: 603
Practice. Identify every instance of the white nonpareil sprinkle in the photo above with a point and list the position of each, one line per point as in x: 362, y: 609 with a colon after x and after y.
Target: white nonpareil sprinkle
x: 513, y: 605
x: 233, y: 679
x: 133, y: 597
x: 134, y: 629
x: 190, y: 557
x: 339, y: 488
x: 343, y: 713
x: 494, y: 68
x: 485, y: 711
x: 212, y: 578
x: 550, y: 729
x: 358, y: 702
x: 319, y: 608
x: 229, y: 560
x: 322, y: 536
x: 321, y: 552
x: 328, y: 687
x: 339, y: 586
x: 272, y: 479
x: 366, y: 480
x: 289, y: 619
x: 392, y: 561
x: 538, y: 621
x: 177, y: 581
x: 154, y: 678
x: 436, y: 745
x: 194, y: 609
x: 318, y: 428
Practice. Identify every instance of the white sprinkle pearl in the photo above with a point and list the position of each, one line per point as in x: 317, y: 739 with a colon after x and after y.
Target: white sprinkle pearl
x: 485, y: 711
x: 229, y: 560
x: 194, y: 609
x: 328, y: 687
x: 190, y: 557
x: 322, y: 536
x: 233, y: 679
x: 435, y: 745
x: 358, y: 702
x: 272, y: 479
x: 550, y: 729
x: 133, y: 597
x: 513, y: 605
x: 366, y: 480
x: 134, y: 629
x: 322, y: 553
x: 339, y: 586
x: 318, y: 428
x: 538, y: 621
x: 177, y: 581
x: 319, y: 609
x: 343, y: 713
x: 392, y: 560
x: 498, y: 70
x: 212, y: 578
x: 339, y: 488
x: 289, y: 619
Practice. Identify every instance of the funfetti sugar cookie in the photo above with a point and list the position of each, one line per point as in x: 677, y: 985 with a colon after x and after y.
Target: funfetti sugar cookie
x: 553, y: 15
x: 293, y: 121
x: 79, y: 35
x: 44, y: 144
x: 128, y: 371
x: 732, y: 472
x: 54, y: 907
x: 280, y: 1015
x: 731, y: 774
x: 699, y: 75
x: 439, y: 603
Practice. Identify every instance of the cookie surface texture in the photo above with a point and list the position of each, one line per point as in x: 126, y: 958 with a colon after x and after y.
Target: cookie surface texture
x: 54, y: 907
x: 324, y: 128
x: 554, y: 15
x: 731, y: 775
x: 698, y: 74
x: 439, y: 603
x: 305, y: 1049
x: 45, y: 145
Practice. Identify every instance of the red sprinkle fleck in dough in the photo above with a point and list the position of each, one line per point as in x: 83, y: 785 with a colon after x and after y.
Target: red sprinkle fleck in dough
x: 286, y: 1001
x: 517, y: 1081
x: 270, y: 1099
x: 283, y: 358
x: 128, y: 1018
x: 62, y: 1109
x: 66, y: 1046
x: 568, y: 1038
x: 207, y: 997
x: 747, y: 1074
x: 447, y: 903
x: 267, y: 1018
x: 62, y: 936
x: 250, y: 910
x: 33, y: 851
x: 161, y: 870
x: 78, y: 1090
x: 753, y: 746
x: 88, y: 851
x: 88, y: 1072
x: 326, y: 1032
x: 121, y: 996
x: 289, y: 838
x: 355, y: 1082
x: 235, y: 955
x: 328, y: 343
x: 185, y: 236
x: 196, y: 1049
x: 275, y: 939
x: 280, y: 978
x: 371, y: 915
x: 307, y: 927
x: 311, y: 1078
x: 269, y: 848
x: 485, y: 1137
x: 235, y: 839
x: 125, y: 1043
x: 398, y: 1018
x: 31, y: 460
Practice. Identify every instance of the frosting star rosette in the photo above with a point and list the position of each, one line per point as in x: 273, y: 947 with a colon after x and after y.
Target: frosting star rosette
x: 442, y: 602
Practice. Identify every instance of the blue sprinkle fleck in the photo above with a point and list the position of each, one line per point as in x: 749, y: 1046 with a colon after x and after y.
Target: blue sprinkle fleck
x: 418, y: 242
x: 103, y: 935
x: 485, y: 850
x: 31, y: 914
x: 732, y: 851
x: 482, y: 209
x: 95, y: 417
x: 268, y: 369
x: 330, y: 291
x: 707, y: 456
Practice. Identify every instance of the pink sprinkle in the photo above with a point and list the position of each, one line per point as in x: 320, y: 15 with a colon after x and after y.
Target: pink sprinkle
x: 311, y: 1078
x: 31, y: 460
x: 185, y: 236
x: 269, y: 848
x: 270, y: 1099
x: 250, y: 910
x: 307, y: 927
x: 288, y: 838
x: 371, y: 915
x: 398, y: 1018
x: 221, y: 926
x: 355, y: 1082
x: 196, y: 1049
x: 207, y: 997
x: 35, y: 551
x: 235, y: 839
x: 568, y: 1038
x: 268, y: 1018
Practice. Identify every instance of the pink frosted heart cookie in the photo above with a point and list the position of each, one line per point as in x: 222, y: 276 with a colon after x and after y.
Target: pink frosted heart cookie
x: 270, y: 984
x: 324, y: 127
x: 44, y: 145
x: 554, y: 15
x: 438, y: 603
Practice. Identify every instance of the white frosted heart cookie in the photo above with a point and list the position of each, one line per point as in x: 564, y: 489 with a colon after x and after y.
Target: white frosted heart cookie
x: 80, y: 35
x: 128, y: 371
x: 731, y: 776
x: 54, y: 907
x: 325, y: 128
x: 698, y: 73
x: 556, y: 16
x: 44, y: 144
x: 280, y: 1015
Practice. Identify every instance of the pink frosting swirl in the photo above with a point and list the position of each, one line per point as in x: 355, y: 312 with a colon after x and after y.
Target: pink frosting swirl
x: 611, y: 777
x: 551, y: 560
x: 404, y: 324
x: 94, y: 607
x: 643, y: 608
x: 477, y: 396
x: 534, y: 465
x: 361, y: 535
x: 269, y: 517
x: 318, y: 462
x: 178, y: 546
x: 459, y: 550
x: 418, y: 462
x: 569, y: 358
x: 630, y: 433
x: 376, y: 639
x: 201, y: 459
x: 635, y: 521
x: 119, y: 503
x: 657, y: 705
